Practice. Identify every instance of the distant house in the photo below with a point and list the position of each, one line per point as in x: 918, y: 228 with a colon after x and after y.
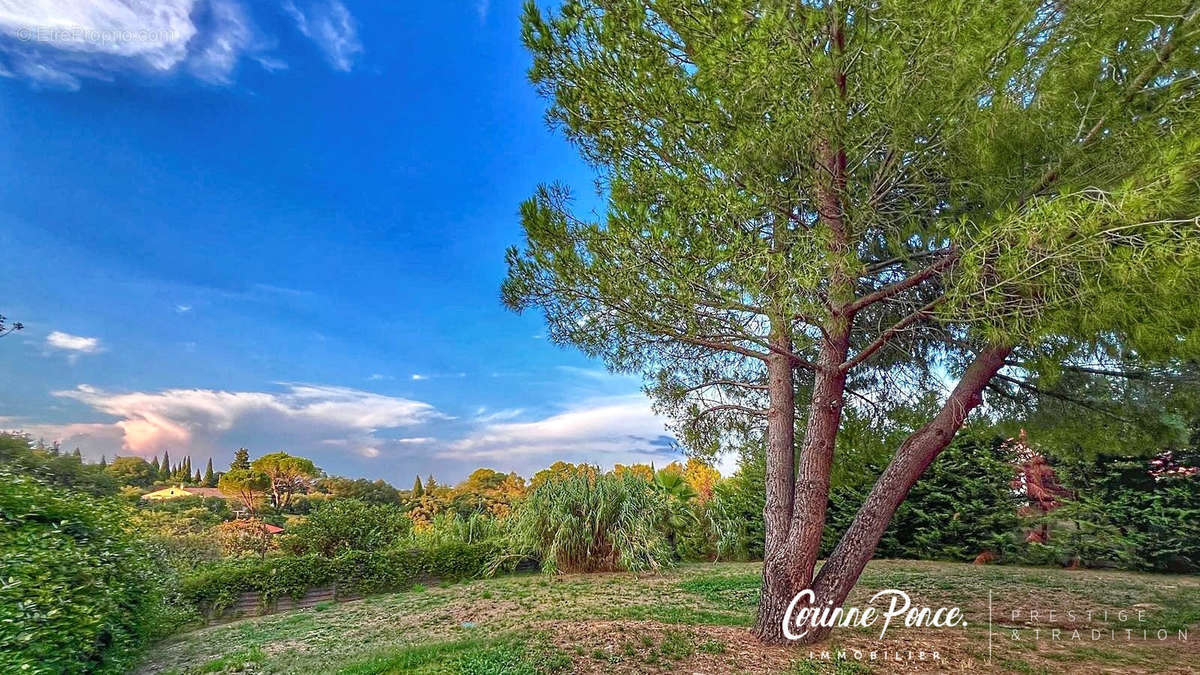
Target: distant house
x: 179, y: 492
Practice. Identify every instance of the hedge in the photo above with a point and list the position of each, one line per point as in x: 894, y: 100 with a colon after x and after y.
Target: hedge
x: 215, y: 586
x: 78, y: 592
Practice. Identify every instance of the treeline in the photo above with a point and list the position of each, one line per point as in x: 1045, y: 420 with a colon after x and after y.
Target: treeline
x: 991, y: 499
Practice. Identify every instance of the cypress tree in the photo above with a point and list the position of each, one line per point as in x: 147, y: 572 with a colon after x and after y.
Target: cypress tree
x: 418, y: 490
x: 164, y: 471
x: 241, y: 459
x: 209, y: 479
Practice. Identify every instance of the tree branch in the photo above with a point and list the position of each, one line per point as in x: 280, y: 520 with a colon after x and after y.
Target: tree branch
x: 888, y: 334
x: 1034, y: 389
x: 876, y: 266
x: 734, y: 407
x: 727, y: 383
x: 1161, y: 56
x: 903, y: 285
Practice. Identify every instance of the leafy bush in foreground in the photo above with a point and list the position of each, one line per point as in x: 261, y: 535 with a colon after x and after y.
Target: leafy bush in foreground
x: 581, y: 523
x: 78, y: 593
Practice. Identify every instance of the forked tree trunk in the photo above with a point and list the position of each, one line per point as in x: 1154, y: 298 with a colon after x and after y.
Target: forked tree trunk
x: 789, y: 561
x: 841, y: 571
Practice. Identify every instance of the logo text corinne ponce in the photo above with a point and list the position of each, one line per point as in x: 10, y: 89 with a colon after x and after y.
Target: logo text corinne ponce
x: 802, y: 614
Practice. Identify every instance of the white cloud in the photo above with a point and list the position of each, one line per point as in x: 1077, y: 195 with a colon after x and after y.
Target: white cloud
x: 351, y: 431
x: 482, y: 7
x: 153, y: 31
x: 219, y: 49
x: 604, y: 431
x: 354, y: 408
x: 59, y: 43
x: 331, y: 27
x: 430, y: 376
x: 205, y: 419
x: 376, y: 377
x: 271, y: 64
x: 483, y: 416
x: 74, y: 345
x: 183, y: 309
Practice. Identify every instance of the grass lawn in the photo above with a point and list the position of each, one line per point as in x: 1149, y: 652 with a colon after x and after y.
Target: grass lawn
x: 693, y: 619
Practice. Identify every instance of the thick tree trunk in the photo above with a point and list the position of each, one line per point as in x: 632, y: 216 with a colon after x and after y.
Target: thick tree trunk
x: 857, y: 545
x: 791, y: 550
x: 816, y: 461
x: 781, y: 449
x: 780, y: 474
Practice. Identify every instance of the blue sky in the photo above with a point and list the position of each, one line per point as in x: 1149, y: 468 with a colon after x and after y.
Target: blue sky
x: 282, y: 225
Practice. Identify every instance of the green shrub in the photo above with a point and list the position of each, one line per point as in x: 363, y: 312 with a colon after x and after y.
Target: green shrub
x: 214, y: 586
x: 451, y: 528
x: 581, y: 522
x: 209, y: 510
x: 78, y: 592
x: 48, y: 465
x: 963, y: 505
x: 1121, y: 516
x: 184, y: 552
x: 736, y: 511
x: 245, y: 537
x: 342, y: 525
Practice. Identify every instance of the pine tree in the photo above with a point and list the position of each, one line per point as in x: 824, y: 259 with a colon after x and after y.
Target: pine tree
x: 1018, y: 192
x: 241, y: 459
x: 430, y: 484
x: 209, y: 479
x: 418, y: 490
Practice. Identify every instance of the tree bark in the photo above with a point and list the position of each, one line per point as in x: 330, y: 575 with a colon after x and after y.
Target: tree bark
x: 781, y: 449
x: 816, y: 460
x: 856, y: 547
x: 780, y: 475
x: 791, y: 558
